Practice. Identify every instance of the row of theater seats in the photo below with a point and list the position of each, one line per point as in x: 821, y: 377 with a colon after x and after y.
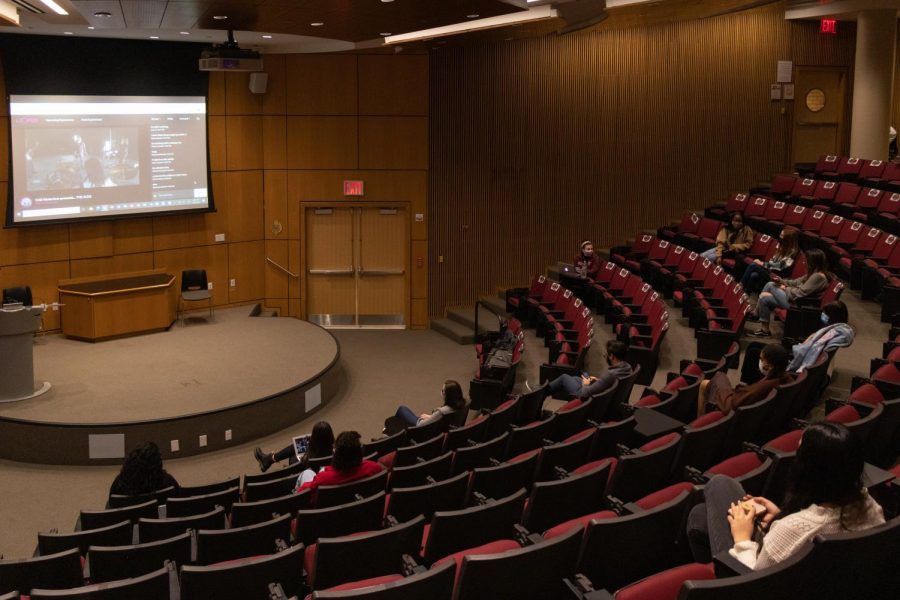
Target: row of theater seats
x: 874, y: 173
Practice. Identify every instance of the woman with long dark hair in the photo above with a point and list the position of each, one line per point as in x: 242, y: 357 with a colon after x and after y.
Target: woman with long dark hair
x: 825, y: 495
x: 454, y: 401
x: 758, y: 273
x: 781, y: 292
x: 320, y: 442
x: 142, y: 473
x: 772, y: 365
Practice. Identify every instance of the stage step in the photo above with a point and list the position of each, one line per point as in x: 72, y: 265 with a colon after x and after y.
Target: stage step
x: 497, y: 305
x: 259, y: 311
x: 457, y: 332
x: 465, y: 315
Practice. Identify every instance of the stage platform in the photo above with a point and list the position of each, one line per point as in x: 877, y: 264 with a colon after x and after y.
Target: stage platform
x: 232, y: 379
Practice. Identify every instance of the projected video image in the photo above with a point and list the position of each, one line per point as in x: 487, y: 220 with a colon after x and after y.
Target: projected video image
x: 65, y: 159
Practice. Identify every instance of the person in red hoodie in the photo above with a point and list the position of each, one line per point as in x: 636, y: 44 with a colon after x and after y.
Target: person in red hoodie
x: 347, y: 463
x: 587, y: 263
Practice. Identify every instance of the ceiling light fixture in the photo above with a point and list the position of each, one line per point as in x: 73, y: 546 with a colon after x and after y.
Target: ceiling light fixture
x: 154, y: 37
x: 384, y: 34
x: 316, y: 24
x: 220, y: 17
x: 55, y: 7
x: 386, y: 1
x: 90, y: 27
x: 472, y: 16
x: 67, y: 32
x: 539, y: 13
x: 267, y: 37
x: 102, y: 14
x: 184, y: 32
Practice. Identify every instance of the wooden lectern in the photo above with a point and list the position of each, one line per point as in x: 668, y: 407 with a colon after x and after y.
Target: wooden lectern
x: 17, y: 327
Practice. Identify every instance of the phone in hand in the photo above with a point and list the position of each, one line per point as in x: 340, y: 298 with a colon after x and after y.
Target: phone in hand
x: 584, y: 375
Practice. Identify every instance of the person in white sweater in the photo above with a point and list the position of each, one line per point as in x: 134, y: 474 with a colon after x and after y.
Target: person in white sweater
x: 825, y: 495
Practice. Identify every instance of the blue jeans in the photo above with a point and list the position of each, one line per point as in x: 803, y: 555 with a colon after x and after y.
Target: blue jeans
x: 406, y: 414
x: 778, y: 299
x: 709, y: 254
x: 708, y: 530
x: 754, y: 278
x: 570, y: 383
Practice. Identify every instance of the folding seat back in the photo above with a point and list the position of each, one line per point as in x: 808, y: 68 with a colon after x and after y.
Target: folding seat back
x: 421, y: 434
x: 118, y: 534
x: 187, y: 491
x: 195, y: 505
x: 111, y: 563
x: 890, y: 204
x: 151, y: 530
x: 339, y: 560
x: 882, y: 250
x: 689, y: 223
x: 410, y: 455
x: 264, y: 490
x: 849, y: 167
x: 882, y: 441
x: 891, y: 172
x: 504, y: 479
x: 607, y: 271
x: 219, y: 545
x: 775, y: 211
x: 151, y: 586
x: 344, y: 519
x: 803, y: 188
x: 756, y: 207
x: 538, y: 285
x: 385, y: 445
x: 795, y: 215
x: 553, y: 502
x: 623, y: 390
x: 708, y: 229
x: 831, y: 227
x: 689, y: 261
x: 95, y: 519
x: 814, y: 221
x: 659, y: 250
x: 54, y: 571
x: 869, y: 199
x: 845, y: 194
x: 120, y: 500
x: 761, y: 246
x: 600, y: 403
x: 747, y: 423
x: 867, y: 241
x: 452, y: 531
x: 248, y: 513
x: 450, y: 494
x: 610, y: 435
x: 535, y: 571
x: 502, y: 417
x: 827, y: 163
x: 782, y: 184
x: 567, y: 455
x: 851, y: 232
x: 435, y: 469
x: 779, y: 417
x: 645, y: 469
x: 825, y: 192
x: 618, y: 551
x: 702, y: 441
x: 529, y: 437
x: 849, y: 416
x: 467, y: 458
x: 871, y: 168
x: 333, y: 495
x: 736, y: 202
x: 642, y: 243
x: 274, y: 473
x: 435, y: 583
x: 246, y: 578
x: 472, y: 432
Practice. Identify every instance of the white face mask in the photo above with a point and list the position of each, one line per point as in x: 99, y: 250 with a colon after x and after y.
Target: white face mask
x: 762, y: 369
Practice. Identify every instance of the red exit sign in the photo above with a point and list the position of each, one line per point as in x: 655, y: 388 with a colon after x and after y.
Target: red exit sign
x: 353, y: 187
x: 828, y: 26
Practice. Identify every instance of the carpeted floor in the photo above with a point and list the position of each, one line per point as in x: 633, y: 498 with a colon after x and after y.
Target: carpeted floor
x: 384, y: 369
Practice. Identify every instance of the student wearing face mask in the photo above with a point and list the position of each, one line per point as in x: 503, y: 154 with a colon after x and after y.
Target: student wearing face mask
x: 773, y: 362
x: 587, y: 263
x: 585, y: 386
x: 733, y: 238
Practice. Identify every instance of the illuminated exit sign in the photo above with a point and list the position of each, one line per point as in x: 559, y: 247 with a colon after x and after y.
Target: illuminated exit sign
x: 353, y: 187
x: 828, y: 26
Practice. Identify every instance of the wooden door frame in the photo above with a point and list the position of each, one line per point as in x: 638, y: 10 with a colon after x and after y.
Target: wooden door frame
x: 312, y: 204
x: 843, y: 141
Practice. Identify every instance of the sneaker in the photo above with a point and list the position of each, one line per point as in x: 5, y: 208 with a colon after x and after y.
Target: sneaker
x: 760, y: 333
x: 265, y: 460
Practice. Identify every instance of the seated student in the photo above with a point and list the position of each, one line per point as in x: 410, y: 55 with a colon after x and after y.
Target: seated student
x: 405, y: 417
x: 587, y: 263
x: 320, y: 442
x: 733, y: 238
x: 758, y: 272
x: 835, y: 333
x: 583, y: 386
x: 773, y: 362
x: 825, y: 495
x: 347, y: 463
x: 781, y: 292
x: 142, y: 473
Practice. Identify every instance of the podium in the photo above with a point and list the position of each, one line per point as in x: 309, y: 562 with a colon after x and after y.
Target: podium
x: 17, y: 327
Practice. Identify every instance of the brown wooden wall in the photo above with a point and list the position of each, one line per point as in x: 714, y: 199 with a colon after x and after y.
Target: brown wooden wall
x: 324, y: 118
x: 537, y: 144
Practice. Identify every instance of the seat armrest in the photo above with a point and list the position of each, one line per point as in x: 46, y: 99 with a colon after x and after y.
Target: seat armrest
x: 728, y: 566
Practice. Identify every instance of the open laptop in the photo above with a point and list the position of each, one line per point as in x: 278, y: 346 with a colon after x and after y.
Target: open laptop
x: 567, y: 268
x: 301, y: 445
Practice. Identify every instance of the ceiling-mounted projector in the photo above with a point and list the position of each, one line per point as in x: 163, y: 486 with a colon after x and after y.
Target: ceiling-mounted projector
x: 230, y: 57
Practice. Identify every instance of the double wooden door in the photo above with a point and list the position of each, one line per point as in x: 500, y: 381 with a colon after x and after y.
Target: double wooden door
x: 819, y: 103
x: 356, y: 265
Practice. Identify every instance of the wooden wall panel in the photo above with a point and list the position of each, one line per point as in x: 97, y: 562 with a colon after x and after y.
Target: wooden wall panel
x: 273, y: 101
x: 536, y: 144
x: 275, y: 223
x: 239, y: 100
x: 132, y: 235
x: 245, y: 267
x: 322, y: 143
x: 215, y: 102
x: 120, y: 263
x: 245, y: 206
x: 419, y: 317
x: 217, y: 144
x: 87, y: 240
x: 393, y: 143
x: 274, y: 141
x: 243, y: 142
x: 4, y: 149
x: 393, y: 85
x: 321, y: 84
x: 418, y: 281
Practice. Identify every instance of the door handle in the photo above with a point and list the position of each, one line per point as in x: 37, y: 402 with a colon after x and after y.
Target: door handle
x: 382, y: 271
x: 349, y: 271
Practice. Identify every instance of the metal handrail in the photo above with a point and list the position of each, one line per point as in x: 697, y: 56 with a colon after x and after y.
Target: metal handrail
x: 295, y: 275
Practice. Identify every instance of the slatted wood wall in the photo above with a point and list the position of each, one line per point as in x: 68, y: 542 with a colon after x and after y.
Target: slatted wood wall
x: 537, y: 144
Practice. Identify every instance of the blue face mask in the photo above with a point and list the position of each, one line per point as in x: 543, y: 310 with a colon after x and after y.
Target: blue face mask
x: 824, y: 318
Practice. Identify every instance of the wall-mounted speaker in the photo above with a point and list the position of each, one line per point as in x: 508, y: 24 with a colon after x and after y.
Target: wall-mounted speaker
x: 258, y: 82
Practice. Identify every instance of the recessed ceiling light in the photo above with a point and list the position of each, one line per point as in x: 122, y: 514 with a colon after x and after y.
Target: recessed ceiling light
x: 103, y: 14
x: 386, y: 1
x: 220, y: 17
x: 185, y: 32
x: 90, y: 26
x: 67, y: 32
x: 154, y: 37
x: 55, y: 7
x: 316, y: 24
x: 267, y: 37
x: 472, y: 16
x: 384, y: 34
